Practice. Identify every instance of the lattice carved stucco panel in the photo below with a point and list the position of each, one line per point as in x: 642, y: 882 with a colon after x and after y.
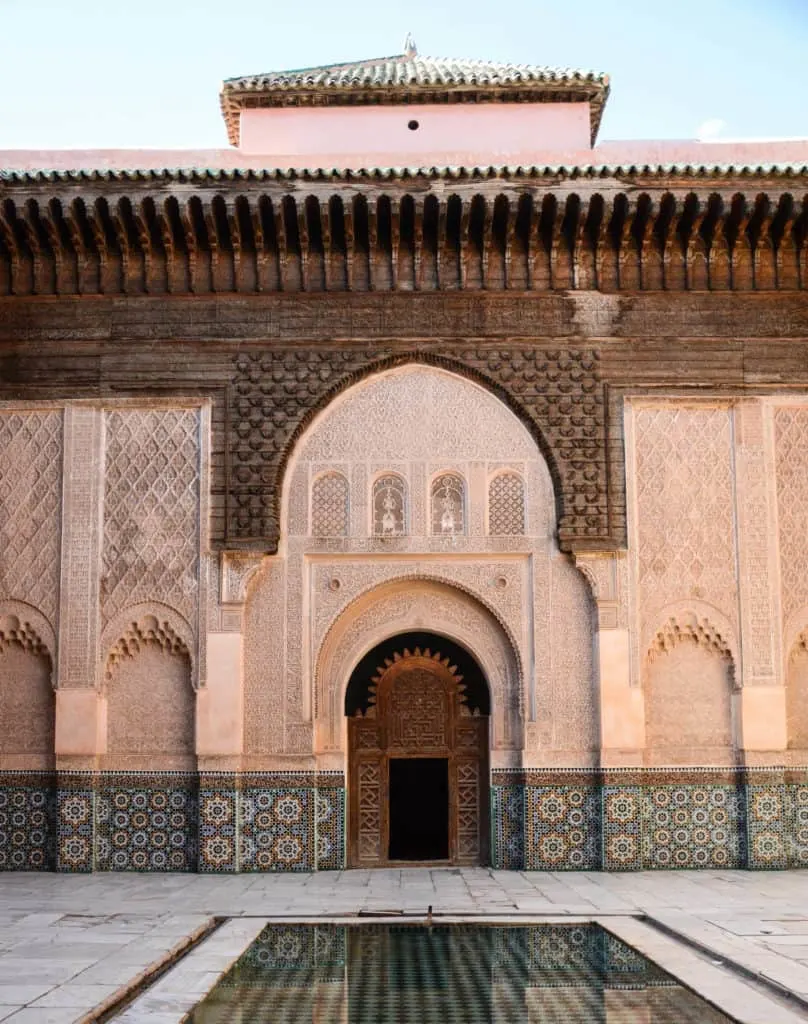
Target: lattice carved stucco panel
x: 685, y: 534
x: 506, y: 505
x: 399, y: 607
x: 329, y: 505
x: 791, y: 457
x: 275, y: 392
x: 151, y: 509
x: 31, y: 446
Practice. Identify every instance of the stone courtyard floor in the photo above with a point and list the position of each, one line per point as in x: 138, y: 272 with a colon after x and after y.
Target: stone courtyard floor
x: 71, y: 944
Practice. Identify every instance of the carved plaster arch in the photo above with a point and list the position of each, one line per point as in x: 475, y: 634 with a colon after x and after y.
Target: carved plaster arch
x: 683, y: 612
x: 687, y: 625
x: 454, y: 366
x: 409, y: 603
x: 146, y: 623
x: 795, y: 633
x: 22, y: 624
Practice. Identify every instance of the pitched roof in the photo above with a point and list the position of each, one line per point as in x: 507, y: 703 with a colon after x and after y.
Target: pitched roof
x: 517, y: 174
x: 411, y: 78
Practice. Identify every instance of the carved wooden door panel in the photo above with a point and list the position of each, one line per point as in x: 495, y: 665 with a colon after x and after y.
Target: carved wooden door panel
x: 417, y: 710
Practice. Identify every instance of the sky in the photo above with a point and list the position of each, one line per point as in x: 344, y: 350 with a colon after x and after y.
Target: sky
x: 118, y: 73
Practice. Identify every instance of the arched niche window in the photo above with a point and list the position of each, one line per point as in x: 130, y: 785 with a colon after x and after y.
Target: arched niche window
x: 506, y: 505
x: 448, y: 505
x: 329, y: 506
x: 389, y: 506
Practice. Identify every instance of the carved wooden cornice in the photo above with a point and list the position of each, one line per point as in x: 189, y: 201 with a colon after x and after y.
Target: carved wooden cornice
x: 63, y: 234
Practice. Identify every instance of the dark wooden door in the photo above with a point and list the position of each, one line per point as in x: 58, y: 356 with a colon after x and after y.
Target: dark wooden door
x: 417, y: 710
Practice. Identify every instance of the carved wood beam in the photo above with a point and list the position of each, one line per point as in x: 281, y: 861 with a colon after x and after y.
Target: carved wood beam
x: 441, y: 247
x: 214, y: 248
x: 57, y: 249
x: 465, y: 242
x: 285, y: 260
x: 31, y: 226
x: 124, y: 247
x: 191, y: 245
x: 349, y: 229
x: 14, y: 250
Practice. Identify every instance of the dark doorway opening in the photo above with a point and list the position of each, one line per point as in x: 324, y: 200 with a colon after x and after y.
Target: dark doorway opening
x: 419, y: 808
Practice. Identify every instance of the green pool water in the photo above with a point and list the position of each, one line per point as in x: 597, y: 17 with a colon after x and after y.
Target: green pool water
x: 451, y: 974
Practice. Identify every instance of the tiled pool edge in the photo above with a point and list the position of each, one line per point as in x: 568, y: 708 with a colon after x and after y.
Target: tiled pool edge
x: 723, y: 987
x: 172, y: 999
x: 110, y: 1008
x: 183, y: 987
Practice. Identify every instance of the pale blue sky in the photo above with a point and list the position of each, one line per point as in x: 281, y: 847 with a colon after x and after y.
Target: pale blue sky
x: 110, y: 73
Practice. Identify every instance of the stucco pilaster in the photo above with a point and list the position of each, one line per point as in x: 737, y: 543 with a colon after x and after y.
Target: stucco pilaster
x: 81, y: 546
x: 80, y: 709
x: 622, y: 712
x: 762, y: 701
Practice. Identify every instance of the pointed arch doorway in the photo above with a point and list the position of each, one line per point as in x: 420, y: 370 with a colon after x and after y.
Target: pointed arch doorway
x: 418, y: 711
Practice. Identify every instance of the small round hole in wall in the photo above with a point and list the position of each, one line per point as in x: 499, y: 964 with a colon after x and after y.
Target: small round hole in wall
x: 413, y: 125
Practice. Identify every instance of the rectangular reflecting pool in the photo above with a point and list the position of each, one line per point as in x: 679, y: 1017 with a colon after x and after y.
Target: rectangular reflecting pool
x: 451, y: 974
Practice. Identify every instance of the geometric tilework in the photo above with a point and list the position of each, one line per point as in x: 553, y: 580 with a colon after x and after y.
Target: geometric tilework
x: 218, y: 817
x: 563, y: 828
x: 330, y: 825
x: 508, y: 825
x: 692, y: 826
x: 541, y: 820
x: 276, y: 829
x: 75, y: 801
x: 647, y: 819
x: 27, y: 825
x: 146, y: 823
x: 797, y: 817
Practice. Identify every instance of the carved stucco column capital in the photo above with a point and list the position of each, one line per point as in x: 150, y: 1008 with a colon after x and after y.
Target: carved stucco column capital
x: 607, y: 575
x: 237, y: 568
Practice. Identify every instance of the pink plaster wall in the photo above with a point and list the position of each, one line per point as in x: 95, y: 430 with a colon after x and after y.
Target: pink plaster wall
x: 542, y: 152
x: 454, y: 135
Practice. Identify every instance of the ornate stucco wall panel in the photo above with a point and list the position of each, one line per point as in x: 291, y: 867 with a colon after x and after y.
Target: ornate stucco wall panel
x: 391, y: 437
x: 684, y: 501
x: 31, y: 452
x: 791, y: 452
x: 572, y: 690
x: 156, y: 481
x: 265, y: 666
x: 151, y: 509
x: 682, y: 495
x: 689, y: 704
x: 27, y: 702
x: 398, y: 607
x: 558, y: 392
x: 150, y: 708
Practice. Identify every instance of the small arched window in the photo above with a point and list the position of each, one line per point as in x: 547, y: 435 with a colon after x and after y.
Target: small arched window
x: 448, y: 505
x: 329, y: 506
x: 389, y: 506
x: 506, y: 505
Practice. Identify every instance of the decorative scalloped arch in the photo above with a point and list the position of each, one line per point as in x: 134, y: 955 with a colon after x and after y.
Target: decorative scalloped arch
x: 376, y: 366
x: 691, y: 628
x: 22, y: 624
x: 333, y: 667
x: 799, y: 645
x: 147, y: 623
x: 795, y: 633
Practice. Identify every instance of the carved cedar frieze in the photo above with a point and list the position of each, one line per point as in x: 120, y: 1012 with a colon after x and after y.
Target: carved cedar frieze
x: 557, y: 392
x: 629, y: 233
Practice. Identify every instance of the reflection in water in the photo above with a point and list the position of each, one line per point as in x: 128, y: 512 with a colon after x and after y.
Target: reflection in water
x: 451, y: 974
